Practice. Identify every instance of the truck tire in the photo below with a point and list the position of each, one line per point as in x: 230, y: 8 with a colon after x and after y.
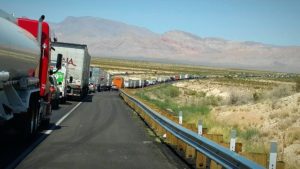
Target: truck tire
x: 63, y: 100
x: 56, y: 103
x: 45, y: 123
x: 27, y: 123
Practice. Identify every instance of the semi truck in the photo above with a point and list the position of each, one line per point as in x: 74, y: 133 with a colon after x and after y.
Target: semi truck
x: 117, y: 82
x: 77, y: 59
x: 24, y: 73
x: 60, y: 75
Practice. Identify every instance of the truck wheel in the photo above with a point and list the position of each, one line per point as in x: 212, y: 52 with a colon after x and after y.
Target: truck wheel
x: 57, y: 103
x: 27, y: 123
x: 45, y: 123
x: 63, y: 100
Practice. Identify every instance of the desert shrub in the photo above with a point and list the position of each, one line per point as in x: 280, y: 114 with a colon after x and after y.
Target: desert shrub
x: 273, y: 115
x: 283, y: 125
x: 169, y: 90
x: 201, y: 109
x: 212, y: 100
x: 249, y: 133
x: 201, y: 94
x: 293, y: 136
x: 279, y: 92
x: 298, y: 84
x: 190, y: 92
x: 233, y: 97
x: 237, y: 98
x: 283, y: 115
x: 257, y: 96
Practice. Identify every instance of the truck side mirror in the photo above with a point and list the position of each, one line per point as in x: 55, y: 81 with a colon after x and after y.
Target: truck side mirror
x: 51, y: 72
x: 71, y: 79
x: 59, y: 61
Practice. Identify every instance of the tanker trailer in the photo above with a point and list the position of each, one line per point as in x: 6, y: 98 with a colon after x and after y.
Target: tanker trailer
x: 21, y: 73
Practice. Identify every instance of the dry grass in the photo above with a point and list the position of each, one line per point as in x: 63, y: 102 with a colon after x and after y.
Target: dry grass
x: 260, y: 114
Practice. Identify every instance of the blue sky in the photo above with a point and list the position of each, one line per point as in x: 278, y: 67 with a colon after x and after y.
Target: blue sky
x: 269, y: 21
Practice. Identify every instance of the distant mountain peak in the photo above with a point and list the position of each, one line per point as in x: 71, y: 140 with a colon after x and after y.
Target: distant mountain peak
x: 117, y: 39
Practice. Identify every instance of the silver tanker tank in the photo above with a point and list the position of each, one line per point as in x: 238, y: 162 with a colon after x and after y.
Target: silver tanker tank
x: 19, y: 50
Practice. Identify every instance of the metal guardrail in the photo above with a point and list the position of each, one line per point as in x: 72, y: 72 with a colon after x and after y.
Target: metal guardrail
x: 212, y: 150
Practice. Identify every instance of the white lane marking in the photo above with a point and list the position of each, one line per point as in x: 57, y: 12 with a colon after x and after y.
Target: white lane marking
x: 61, y: 120
x: 28, y: 150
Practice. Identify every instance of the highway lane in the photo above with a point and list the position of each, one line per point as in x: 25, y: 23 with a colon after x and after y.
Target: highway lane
x: 11, y: 147
x: 103, y: 132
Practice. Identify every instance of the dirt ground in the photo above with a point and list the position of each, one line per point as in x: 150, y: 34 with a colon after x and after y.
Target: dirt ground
x: 271, y: 107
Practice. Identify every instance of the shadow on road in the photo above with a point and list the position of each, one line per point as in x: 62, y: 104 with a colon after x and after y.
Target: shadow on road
x: 67, y: 103
x: 88, y: 98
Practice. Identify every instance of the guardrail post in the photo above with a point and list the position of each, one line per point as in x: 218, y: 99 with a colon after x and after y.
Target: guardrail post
x: 273, y: 155
x: 190, y: 151
x: 181, y: 145
x: 208, y: 161
x: 232, y: 140
x: 201, y: 160
x: 200, y: 128
x: 180, y: 118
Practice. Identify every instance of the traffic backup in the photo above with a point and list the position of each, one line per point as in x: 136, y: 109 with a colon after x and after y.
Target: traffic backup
x: 36, y: 73
x: 24, y: 73
x: 76, y: 60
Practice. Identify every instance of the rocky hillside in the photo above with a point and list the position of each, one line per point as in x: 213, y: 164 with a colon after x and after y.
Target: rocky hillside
x: 115, y: 39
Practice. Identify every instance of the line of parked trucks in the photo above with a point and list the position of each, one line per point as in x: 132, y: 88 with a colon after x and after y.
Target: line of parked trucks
x: 36, y: 73
x: 113, y: 82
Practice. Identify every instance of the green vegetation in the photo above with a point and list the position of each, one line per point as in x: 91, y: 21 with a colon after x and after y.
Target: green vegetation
x: 169, y: 91
x: 248, y: 134
x: 165, y: 97
x: 198, y: 106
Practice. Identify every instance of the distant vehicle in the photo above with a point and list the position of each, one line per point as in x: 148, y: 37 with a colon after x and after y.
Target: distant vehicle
x: 105, y: 80
x: 78, y: 63
x: 95, y: 77
x: 118, y: 82
x: 114, y: 87
x: 92, y: 88
x: 55, y: 92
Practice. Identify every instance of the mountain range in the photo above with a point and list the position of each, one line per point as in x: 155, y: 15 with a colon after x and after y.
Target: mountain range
x: 107, y: 38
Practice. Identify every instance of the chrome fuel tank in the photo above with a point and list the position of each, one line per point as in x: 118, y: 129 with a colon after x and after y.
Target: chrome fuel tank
x: 19, y: 50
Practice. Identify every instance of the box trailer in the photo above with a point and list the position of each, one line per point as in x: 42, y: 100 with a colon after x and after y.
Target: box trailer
x: 77, y: 61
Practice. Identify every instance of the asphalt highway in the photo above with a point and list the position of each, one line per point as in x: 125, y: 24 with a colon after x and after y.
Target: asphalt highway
x: 11, y: 147
x: 100, y: 132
